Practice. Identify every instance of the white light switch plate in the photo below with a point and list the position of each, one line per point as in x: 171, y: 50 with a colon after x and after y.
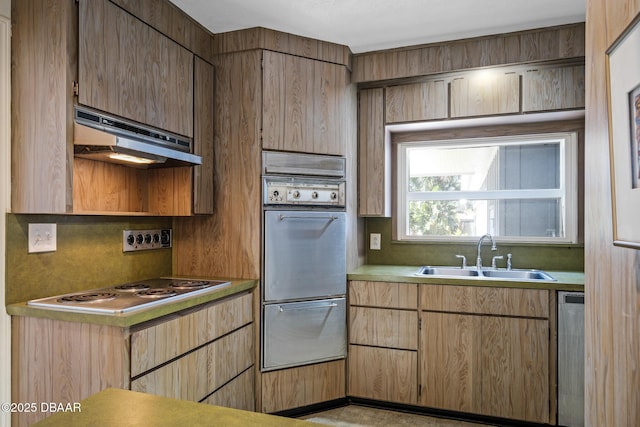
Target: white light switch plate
x: 374, y: 241
x: 42, y: 238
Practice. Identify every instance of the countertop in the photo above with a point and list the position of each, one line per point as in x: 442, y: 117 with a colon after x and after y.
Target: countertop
x: 566, y: 280
x: 121, y: 408
x: 135, y: 317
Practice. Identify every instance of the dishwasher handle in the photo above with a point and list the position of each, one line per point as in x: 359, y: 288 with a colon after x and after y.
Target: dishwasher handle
x: 573, y: 299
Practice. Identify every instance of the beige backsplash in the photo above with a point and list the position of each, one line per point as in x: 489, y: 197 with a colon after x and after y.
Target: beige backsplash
x: 89, y: 255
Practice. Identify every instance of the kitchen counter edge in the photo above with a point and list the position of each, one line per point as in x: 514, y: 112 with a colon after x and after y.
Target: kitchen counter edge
x: 125, y: 320
x: 124, y: 408
x: 566, y: 280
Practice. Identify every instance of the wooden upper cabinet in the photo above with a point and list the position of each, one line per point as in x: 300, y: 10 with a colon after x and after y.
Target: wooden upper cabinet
x: 129, y: 69
x: 203, y: 111
x: 304, y: 104
x: 485, y: 93
x: 554, y: 88
x: 416, y: 102
x: 43, y: 61
x: 374, y: 175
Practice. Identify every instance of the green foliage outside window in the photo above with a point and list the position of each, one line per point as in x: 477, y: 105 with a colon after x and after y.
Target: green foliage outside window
x: 434, y: 217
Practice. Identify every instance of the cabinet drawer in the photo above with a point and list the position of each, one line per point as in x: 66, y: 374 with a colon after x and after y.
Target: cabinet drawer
x: 237, y: 394
x: 164, y: 341
x: 196, y: 374
x: 485, y: 300
x: 383, y: 327
x: 383, y: 374
x: 383, y: 294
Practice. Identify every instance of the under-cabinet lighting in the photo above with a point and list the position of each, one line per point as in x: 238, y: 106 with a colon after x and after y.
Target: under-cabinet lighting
x: 131, y: 159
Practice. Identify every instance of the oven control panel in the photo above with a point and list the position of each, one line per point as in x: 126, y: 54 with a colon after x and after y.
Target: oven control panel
x: 304, y: 193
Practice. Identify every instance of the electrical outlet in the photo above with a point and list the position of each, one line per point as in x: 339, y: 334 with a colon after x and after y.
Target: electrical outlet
x: 141, y: 240
x: 42, y: 238
x: 374, y: 241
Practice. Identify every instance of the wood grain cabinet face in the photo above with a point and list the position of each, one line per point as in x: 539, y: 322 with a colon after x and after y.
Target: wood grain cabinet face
x: 374, y: 174
x: 416, y: 102
x: 304, y: 105
x: 554, y: 88
x: 486, y: 351
x: 123, y: 67
x: 383, y: 336
x: 203, y: 111
x: 205, y: 355
x: 129, y: 69
x: 485, y: 93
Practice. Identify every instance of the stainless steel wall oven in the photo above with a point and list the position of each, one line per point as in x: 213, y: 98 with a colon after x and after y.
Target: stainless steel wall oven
x: 304, y: 249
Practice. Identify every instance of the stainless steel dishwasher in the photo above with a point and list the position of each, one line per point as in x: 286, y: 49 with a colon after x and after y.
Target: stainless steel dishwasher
x: 571, y: 359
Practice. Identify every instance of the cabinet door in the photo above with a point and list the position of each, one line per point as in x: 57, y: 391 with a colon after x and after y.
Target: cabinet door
x: 131, y: 70
x: 515, y: 368
x: 383, y: 374
x: 203, y: 82
x: 450, y: 367
x: 304, y: 105
x: 416, y: 102
x: 485, y: 93
x: 554, y: 88
x: 374, y: 156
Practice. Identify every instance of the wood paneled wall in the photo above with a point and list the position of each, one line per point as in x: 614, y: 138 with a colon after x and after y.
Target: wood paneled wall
x: 545, y: 44
x: 612, y: 274
x: 264, y: 38
x: 228, y: 242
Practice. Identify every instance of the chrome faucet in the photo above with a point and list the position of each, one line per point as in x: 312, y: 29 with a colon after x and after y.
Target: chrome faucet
x: 493, y: 248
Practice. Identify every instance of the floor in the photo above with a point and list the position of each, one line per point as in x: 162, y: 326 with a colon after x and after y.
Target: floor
x: 362, y: 416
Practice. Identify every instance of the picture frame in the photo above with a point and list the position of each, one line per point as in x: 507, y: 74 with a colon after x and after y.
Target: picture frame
x: 623, y: 85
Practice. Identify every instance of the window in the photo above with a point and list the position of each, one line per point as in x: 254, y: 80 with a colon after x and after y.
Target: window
x: 519, y: 189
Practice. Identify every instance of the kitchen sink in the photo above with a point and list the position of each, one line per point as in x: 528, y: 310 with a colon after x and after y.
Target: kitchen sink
x: 474, y: 273
x: 518, y: 274
x: 447, y: 271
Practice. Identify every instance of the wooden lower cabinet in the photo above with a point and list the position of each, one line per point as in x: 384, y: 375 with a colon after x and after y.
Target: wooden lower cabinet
x: 383, y: 337
x: 480, y: 350
x: 489, y: 365
x: 487, y: 351
x: 214, y: 365
x: 203, y: 354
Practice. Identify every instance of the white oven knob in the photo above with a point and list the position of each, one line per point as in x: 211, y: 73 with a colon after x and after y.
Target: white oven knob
x: 334, y: 195
x: 314, y: 195
x: 296, y: 194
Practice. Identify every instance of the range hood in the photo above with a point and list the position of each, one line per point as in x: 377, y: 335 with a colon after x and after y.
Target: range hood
x: 97, y: 136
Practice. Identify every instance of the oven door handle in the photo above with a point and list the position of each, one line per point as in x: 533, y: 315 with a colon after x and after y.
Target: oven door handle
x: 329, y: 218
x: 282, y: 309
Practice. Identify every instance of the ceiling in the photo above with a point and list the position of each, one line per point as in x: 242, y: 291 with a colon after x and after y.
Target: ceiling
x: 366, y: 25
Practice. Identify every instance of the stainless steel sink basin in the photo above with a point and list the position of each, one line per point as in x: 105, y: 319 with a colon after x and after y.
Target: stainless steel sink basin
x: 518, y: 274
x: 447, y: 271
x: 484, y: 274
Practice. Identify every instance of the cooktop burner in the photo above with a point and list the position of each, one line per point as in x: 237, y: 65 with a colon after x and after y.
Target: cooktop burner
x: 132, y: 287
x: 157, y: 293
x: 130, y: 296
x: 91, y: 297
x: 190, y: 284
